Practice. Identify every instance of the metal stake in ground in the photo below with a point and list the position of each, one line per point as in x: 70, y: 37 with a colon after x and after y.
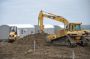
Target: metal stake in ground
x: 73, y: 54
x: 34, y: 46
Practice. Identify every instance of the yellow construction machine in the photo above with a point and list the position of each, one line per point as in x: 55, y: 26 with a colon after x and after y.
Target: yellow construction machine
x: 71, y: 34
x: 12, y: 34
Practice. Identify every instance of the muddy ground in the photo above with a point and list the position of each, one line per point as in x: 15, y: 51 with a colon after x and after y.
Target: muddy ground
x: 35, y: 47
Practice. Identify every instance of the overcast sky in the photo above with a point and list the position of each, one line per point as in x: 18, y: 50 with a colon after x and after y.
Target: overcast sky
x: 26, y: 11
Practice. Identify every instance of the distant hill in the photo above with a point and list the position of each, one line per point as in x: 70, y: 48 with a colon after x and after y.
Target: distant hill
x: 87, y: 27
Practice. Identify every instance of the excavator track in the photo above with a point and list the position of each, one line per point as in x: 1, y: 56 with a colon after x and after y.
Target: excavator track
x: 62, y: 41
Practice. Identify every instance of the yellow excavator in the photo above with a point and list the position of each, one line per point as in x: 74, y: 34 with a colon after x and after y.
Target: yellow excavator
x: 72, y: 34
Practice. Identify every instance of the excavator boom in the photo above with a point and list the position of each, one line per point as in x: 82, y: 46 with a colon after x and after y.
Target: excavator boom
x: 43, y: 14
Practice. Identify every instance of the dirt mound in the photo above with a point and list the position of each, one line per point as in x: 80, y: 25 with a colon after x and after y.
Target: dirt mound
x: 29, y: 39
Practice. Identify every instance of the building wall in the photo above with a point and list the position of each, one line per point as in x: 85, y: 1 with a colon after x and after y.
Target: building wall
x: 4, y: 32
x: 13, y: 28
x: 37, y: 29
x: 25, y: 31
x: 56, y: 27
x: 49, y: 30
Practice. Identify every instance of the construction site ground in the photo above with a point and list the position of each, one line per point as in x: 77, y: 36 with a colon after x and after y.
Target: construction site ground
x: 35, y: 47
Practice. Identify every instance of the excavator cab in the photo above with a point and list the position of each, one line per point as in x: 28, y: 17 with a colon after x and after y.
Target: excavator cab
x: 74, y: 27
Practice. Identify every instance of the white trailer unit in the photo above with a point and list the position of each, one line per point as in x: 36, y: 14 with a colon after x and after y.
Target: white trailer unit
x: 4, y: 32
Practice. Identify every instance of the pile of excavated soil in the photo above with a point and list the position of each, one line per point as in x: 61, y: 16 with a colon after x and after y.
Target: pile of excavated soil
x: 24, y: 48
x: 29, y: 39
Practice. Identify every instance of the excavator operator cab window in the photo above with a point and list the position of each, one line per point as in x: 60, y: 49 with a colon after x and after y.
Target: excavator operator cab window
x: 74, y: 27
x: 77, y: 27
x: 67, y: 27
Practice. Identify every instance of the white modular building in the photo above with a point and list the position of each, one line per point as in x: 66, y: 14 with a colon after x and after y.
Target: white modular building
x: 37, y: 29
x: 27, y: 29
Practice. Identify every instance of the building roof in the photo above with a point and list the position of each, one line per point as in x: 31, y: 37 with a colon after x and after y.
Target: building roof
x: 32, y: 26
x: 48, y: 26
x: 62, y: 26
x: 22, y: 25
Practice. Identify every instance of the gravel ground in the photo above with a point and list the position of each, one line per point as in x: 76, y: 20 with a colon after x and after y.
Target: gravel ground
x: 24, y: 48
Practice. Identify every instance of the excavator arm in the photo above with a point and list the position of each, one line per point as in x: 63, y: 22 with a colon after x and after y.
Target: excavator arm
x: 51, y: 16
